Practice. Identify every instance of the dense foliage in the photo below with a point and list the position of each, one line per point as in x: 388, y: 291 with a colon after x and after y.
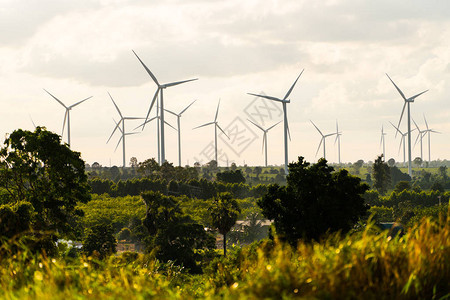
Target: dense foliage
x: 315, y: 201
x: 365, y: 266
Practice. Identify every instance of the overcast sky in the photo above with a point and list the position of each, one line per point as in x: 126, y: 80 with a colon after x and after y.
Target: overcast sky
x: 77, y: 49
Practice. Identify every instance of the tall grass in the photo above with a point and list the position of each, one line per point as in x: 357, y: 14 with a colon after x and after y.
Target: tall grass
x: 364, y: 266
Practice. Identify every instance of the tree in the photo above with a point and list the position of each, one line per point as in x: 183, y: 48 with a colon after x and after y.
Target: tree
x: 358, y: 165
x: 402, y: 185
x: 35, y: 167
x: 99, y: 238
x: 231, y: 176
x: 316, y: 200
x: 134, y: 162
x: 224, y: 213
x: 233, y: 166
x: 257, y: 171
x: 172, y: 234
x: 381, y: 175
x: 391, y: 162
x: 417, y: 161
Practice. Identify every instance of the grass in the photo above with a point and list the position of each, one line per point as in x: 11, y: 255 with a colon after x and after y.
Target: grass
x: 367, y: 265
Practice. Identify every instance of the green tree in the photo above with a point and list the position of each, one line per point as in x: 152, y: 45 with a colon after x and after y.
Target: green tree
x: 224, y: 213
x: 99, y: 238
x: 391, y: 162
x: 417, y: 161
x: 315, y: 200
x: 231, y: 176
x: 381, y: 175
x: 402, y: 185
x: 35, y: 167
x: 173, y: 235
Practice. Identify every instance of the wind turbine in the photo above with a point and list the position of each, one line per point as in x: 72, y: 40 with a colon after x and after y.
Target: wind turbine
x: 284, y: 101
x: 67, y: 114
x: 179, y: 129
x: 338, y: 139
x: 382, y: 142
x: 122, y: 130
x: 402, y: 141
x: 264, y: 144
x: 216, y: 125
x: 421, y: 134
x: 429, y: 131
x: 160, y: 89
x: 322, y: 139
x: 407, y: 102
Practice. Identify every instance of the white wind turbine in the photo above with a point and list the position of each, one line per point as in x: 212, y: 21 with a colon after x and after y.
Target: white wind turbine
x: 382, y: 142
x: 338, y: 139
x: 264, y: 144
x: 429, y: 131
x: 216, y: 125
x: 407, y: 102
x: 122, y: 130
x: 420, y: 135
x: 157, y: 118
x: 67, y: 114
x: 322, y: 140
x: 402, y: 141
x: 160, y: 89
x: 179, y: 129
x: 284, y: 101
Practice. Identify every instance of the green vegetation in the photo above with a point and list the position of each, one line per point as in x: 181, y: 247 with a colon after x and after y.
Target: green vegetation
x: 326, y: 240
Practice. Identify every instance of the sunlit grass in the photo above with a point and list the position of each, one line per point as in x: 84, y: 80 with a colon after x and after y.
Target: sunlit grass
x: 362, y: 266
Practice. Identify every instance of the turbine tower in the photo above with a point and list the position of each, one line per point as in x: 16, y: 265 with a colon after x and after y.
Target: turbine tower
x: 216, y: 125
x: 420, y: 135
x: 67, y: 114
x: 382, y: 142
x: 284, y: 101
x: 338, y: 139
x: 122, y: 130
x: 160, y: 89
x: 402, y: 141
x: 429, y: 131
x: 264, y: 144
x: 322, y: 140
x: 407, y: 103
x: 179, y: 129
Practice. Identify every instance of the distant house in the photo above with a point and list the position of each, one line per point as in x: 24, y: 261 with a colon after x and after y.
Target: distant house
x: 124, y: 246
x: 393, y: 227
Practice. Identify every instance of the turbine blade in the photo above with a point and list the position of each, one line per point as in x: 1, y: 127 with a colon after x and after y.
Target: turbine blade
x: 165, y: 122
x: 118, y: 143
x: 417, y: 138
x: 115, y: 128
x: 267, y: 97
x: 416, y: 125
x: 177, y: 83
x: 187, y: 107
x: 133, y: 118
x: 115, y: 105
x: 222, y: 131
x: 204, y: 125
x: 59, y: 101
x: 147, y: 69
x: 148, y: 121
x: 401, y: 93
x: 150, y: 108
x: 415, y: 96
x: 398, y: 130
x: 264, y: 140
x: 256, y: 125
x: 64, y: 122
x: 400, y: 146
x: 317, y: 128
x: 426, y: 124
x: 401, y: 116
x: 318, y: 148
x: 32, y: 121
x: 288, y: 131
x: 170, y: 112
x: 130, y: 133
x: 217, y: 111
x: 79, y: 102
x: 292, y: 87
x: 273, y: 126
